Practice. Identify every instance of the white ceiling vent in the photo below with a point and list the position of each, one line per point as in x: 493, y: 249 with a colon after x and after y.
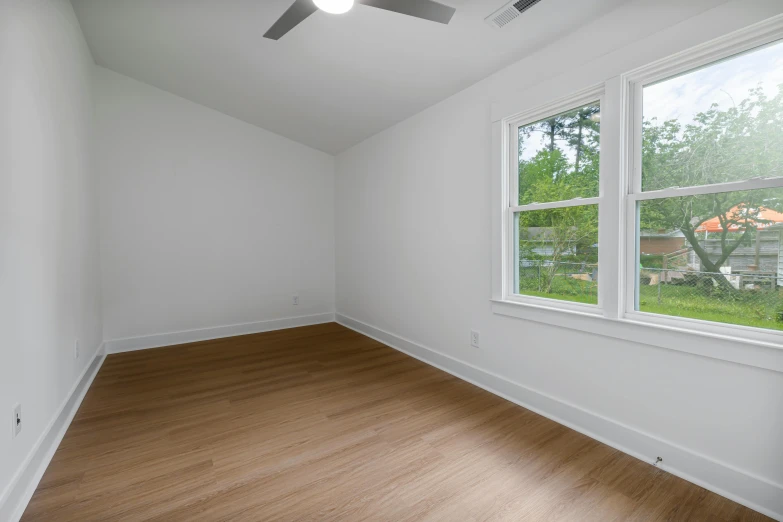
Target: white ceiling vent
x: 509, y: 12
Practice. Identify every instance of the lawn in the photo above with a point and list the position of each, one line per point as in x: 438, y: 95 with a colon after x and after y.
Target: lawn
x: 564, y: 288
x: 746, y: 308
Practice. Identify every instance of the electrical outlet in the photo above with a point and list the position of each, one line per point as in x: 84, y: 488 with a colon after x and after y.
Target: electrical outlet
x: 16, y: 426
x: 296, y: 300
x: 474, y: 339
x: 76, y: 349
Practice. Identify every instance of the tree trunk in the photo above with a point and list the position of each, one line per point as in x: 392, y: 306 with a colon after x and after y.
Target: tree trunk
x: 552, y: 128
x: 713, y: 267
x: 578, y: 146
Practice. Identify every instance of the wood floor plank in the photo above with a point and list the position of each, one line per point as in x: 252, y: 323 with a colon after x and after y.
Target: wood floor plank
x: 322, y: 423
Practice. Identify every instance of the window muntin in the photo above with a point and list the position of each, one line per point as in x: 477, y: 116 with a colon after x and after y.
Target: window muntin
x: 710, y: 210
x: 555, y: 224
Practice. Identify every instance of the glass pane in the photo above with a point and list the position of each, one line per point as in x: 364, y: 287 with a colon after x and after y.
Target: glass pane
x: 718, y: 124
x: 557, y: 255
x: 558, y: 157
x: 716, y: 257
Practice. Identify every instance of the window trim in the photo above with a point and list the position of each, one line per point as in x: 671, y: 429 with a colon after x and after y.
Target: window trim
x: 714, y: 345
x: 509, y: 195
x: 750, y: 346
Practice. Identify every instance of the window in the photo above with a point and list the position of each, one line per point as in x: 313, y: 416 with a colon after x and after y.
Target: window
x: 707, y: 193
x: 675, y: 170
x: 554, y: 205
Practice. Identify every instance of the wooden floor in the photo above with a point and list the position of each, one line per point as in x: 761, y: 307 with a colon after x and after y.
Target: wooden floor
x: 321, y: 423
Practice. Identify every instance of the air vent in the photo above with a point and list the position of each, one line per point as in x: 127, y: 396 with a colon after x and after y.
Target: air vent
x: 509, y: 12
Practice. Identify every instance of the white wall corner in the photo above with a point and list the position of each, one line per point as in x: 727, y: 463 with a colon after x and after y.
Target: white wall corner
x: 20, y: 490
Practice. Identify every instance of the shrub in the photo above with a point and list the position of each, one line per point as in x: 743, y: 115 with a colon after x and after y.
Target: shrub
x: 651, y: 260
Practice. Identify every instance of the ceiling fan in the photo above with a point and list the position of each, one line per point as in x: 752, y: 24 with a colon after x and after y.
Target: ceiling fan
x: 301, y: 9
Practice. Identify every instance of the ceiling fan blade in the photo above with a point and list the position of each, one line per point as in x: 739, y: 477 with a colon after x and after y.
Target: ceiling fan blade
x: 298, y: 11
x: 426, y: 9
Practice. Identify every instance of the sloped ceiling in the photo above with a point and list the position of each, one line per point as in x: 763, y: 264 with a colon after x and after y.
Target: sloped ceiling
x: 331, y: 82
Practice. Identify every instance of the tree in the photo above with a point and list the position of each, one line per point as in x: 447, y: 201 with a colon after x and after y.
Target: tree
x: 551, y: 175
x: 564, y: 232
x: 553, y: 129
x: 738, y: 143
x: 580, y: 128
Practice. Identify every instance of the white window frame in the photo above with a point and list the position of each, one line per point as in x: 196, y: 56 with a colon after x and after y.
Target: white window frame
x: 619, y: 192
x: 634, y: 83
x: 510, y: 189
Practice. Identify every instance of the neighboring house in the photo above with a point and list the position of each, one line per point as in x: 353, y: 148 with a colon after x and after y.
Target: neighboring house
x: 658, y: 242
x: 742, y: 259
x: 671, y: 245
x: 539, y: 240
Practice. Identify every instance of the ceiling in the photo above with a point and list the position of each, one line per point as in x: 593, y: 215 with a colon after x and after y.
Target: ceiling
x: 331, y: 82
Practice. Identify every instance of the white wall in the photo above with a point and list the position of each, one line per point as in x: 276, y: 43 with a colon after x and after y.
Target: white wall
x: 206, y: 221
x: 49, y: 255
x: 414, y: 256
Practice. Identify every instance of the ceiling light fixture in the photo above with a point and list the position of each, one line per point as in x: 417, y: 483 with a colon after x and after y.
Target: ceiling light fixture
x: 301, y: 9
x: 334, y: 6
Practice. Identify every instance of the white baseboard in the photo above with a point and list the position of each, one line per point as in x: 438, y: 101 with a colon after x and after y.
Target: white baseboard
x: 23, y: 484
x: 19, y: 492
x: 130, y: 344
x: 754, y: 492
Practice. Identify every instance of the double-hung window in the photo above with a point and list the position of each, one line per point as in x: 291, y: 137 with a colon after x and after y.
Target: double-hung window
x: 552, y: 212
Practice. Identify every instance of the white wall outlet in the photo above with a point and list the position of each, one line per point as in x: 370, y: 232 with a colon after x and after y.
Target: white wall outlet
x: 296, y: 300
x: 16, y: 419
x: 76, y: 351
x: 474, y: 339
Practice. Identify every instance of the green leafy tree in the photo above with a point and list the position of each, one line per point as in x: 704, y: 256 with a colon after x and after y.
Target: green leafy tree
x: 563, y: 233
x: 721, y: 145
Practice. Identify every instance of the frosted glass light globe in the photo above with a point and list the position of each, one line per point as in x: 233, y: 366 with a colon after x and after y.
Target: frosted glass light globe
x: 334, y: 6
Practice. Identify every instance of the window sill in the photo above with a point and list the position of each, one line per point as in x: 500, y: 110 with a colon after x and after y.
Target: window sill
x: 672, y: 336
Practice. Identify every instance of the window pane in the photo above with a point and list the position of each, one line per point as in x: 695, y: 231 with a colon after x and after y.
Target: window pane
x: 715, y: 257
x: 718, y: 124
x: 558, y: 253
x: 558, y: 157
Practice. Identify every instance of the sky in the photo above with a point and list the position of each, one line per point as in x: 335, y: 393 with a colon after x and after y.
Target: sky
x: 682, y: 97
x: 724, y: 83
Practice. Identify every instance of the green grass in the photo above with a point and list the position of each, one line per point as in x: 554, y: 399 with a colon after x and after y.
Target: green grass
x: 588, y: 299
x: 746, y: 308
x: 563, y: 289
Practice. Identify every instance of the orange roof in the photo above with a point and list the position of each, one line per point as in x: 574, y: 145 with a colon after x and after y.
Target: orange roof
x: 764, y: 218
